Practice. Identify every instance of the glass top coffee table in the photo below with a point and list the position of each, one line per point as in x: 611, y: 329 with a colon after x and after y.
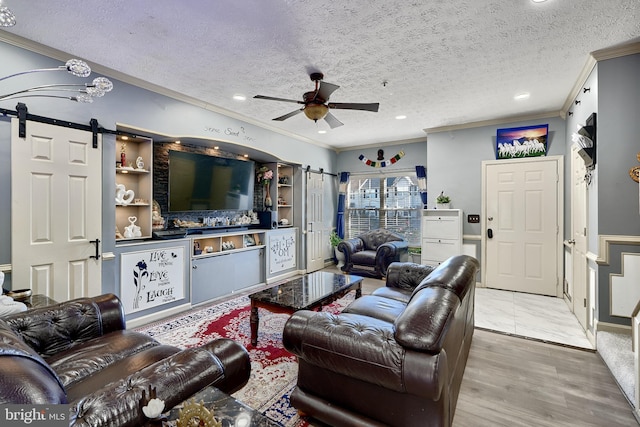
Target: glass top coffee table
x: 226, y: 410
x: 309, y: 292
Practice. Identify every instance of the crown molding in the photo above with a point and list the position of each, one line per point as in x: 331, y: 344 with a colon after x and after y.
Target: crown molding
x: 616, y: 51
x: 499, y: 121
x: 382, y: 144
x: 125, y: 78
x: 582, y: 78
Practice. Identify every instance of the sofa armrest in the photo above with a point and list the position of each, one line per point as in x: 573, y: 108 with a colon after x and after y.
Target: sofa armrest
x: 24, y: 376
x: 394, y: 247
x: 407, y: 275
x: 424, y: 324
x: 351, y: 246
x: 55, y: 328
x: 389, y: 252
x: 175, y: 379
x: 363, y: 348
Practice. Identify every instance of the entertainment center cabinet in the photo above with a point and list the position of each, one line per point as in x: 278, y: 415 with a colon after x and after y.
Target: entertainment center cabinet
x: 226, y: 263
x: 214, y: 253
x: 213, y: 264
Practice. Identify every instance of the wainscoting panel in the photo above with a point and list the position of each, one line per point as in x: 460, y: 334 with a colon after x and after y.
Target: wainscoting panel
x: 624, y: 288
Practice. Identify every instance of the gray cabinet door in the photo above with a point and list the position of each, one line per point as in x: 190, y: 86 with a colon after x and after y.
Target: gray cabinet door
x: 220, y: 275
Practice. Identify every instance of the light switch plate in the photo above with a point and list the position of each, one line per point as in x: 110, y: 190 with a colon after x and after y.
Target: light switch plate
x: 473, y: 219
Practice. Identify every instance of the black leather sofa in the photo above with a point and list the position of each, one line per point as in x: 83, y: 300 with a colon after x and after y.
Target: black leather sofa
x: 370, y: 253
x: 79, y: 353
x: 395, y: 357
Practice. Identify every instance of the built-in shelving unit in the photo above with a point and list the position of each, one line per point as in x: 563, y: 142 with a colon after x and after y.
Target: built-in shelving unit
x: 284, y: 198
x: 135, y: 178
x: 214, y: 244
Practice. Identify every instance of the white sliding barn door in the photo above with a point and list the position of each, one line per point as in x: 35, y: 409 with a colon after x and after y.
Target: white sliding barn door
x: 56, y: 211
x: 317, y: 237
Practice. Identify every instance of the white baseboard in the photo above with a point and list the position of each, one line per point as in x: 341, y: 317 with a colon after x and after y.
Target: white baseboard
x: 613, y: 327
x: 153, y: 317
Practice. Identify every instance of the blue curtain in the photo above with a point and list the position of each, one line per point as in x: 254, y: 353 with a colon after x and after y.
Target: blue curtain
x: 342, y: 198
x: 422, y: 183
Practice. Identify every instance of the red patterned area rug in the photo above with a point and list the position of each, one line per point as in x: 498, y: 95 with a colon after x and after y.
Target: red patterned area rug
x: 273, y: 369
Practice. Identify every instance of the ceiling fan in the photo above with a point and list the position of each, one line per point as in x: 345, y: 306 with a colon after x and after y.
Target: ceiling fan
x: 316, y: 103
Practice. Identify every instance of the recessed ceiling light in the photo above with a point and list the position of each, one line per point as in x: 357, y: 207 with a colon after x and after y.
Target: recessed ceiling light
x: 322, y: 131
x: 178, y: 142
x: 401, y: 117
x: 124, y: 137
x: 246, y: 156
x: 216, y: 148
x: 538, y: 1
x: 239, y: 97
x: 521, y: 96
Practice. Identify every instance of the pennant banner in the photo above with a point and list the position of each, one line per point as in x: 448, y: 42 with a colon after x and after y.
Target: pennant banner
x: 383, y: 163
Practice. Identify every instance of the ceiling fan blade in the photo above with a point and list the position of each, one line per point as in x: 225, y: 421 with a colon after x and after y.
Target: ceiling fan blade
x: 332, y: 121
x: 291, y: 114
x: 355, y: 106
x: 271, y: 98
x: 325, y: 90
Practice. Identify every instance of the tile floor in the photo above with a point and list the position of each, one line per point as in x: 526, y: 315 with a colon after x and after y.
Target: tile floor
x: 528, y: 315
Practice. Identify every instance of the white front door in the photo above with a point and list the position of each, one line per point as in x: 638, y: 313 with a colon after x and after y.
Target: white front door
x: 56, y: 211
x: 522, y: 225
x: 579, y: 237
x: 317, y: 237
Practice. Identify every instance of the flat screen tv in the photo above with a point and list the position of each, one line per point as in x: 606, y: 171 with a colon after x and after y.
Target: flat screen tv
x: 198, y: 182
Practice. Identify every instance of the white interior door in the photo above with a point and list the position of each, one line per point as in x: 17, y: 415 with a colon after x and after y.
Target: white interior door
x: 317, y: 239
x: 579, y: 237
x: 522, y: 225
x: 56, y: 211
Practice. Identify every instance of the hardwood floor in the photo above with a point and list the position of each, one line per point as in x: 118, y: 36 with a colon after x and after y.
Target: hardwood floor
x: 511, y: 381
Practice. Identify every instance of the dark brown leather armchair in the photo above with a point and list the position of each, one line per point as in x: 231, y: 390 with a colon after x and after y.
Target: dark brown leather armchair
x: 370, y: 253
x: 393, y: 358
x: 79, y: 352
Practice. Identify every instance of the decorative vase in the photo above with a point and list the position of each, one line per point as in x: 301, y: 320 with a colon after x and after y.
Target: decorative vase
x: 267, y: 198
x: 339, y: 256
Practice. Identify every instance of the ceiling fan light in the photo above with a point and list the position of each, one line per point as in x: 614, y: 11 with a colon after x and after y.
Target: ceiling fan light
x: 316, y: 111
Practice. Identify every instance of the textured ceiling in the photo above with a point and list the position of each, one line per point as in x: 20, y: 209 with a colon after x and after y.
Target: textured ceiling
x: 447, y: 62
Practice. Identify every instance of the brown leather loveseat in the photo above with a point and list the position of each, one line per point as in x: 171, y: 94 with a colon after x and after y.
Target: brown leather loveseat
x: 79, y: 352
x: 371, y: 252
x: 395, y: 357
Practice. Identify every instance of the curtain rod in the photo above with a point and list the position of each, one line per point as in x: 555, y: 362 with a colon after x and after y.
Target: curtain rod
x: 391, y: 172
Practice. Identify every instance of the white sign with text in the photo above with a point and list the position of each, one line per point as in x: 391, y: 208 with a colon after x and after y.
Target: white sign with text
x: 151, y: 278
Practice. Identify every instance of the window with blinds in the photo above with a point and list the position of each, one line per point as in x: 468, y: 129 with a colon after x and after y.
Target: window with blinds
x: 391, y: 202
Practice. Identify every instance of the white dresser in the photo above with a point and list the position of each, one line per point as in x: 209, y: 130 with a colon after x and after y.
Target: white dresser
x: 441, y: 235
